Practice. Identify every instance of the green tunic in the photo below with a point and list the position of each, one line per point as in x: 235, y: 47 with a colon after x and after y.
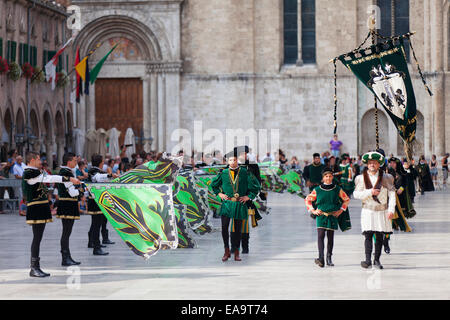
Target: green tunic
x: 348, y: 186
x: 315, y: 173
x: 328, y: 201
x: 245, y: 184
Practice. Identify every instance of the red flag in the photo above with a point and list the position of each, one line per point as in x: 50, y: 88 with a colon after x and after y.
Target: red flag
x: 79, y: 83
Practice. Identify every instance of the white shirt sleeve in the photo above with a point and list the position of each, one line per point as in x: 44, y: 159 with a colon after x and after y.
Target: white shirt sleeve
x: 361, y: 192
x: 100, y: 177
x: 71, y: 189
x: 45, y: 179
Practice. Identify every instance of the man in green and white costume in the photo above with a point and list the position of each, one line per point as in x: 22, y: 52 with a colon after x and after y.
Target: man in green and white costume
x: 346, y: 175
x: 376, y: 190
x: 235, y: 186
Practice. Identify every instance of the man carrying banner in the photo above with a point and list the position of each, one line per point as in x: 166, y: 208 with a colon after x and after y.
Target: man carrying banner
x: 313, y: 172
x: 235, y: 186
x: 96, y: 175
x: 38, y: 209
x: 403, y: 208
x: 376, y: 190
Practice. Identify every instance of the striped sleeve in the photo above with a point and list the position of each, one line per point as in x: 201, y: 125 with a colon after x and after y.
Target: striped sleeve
x: 310, y: 199
x: 345, y: 199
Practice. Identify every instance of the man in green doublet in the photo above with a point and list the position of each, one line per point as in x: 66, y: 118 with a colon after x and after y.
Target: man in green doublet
x: 235, y: 186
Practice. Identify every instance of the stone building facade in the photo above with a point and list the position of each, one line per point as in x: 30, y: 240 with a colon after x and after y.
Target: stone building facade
x: 33, y: 109
x: 222, y: 62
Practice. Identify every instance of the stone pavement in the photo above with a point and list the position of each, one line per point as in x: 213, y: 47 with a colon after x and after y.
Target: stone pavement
x: 280, y: 264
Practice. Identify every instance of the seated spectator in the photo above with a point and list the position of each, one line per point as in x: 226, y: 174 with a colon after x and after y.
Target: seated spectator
x: 22, y: 208
x: 82, y: 204
x: 81, y: 173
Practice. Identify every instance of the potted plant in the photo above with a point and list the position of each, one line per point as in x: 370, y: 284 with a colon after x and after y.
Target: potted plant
x: 38, y: 75
x: 27, y: 70
x: 61, y: 79
x: 15, y: 71
x: 4, y: 68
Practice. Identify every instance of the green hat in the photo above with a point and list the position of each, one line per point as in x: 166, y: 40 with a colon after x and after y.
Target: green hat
x: 327, y: 170
x: 373, y: 155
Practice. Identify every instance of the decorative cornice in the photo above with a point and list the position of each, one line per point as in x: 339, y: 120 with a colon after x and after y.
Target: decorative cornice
x: 164, y: 67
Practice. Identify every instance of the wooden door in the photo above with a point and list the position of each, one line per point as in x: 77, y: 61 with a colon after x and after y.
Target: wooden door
x: 119, y: 104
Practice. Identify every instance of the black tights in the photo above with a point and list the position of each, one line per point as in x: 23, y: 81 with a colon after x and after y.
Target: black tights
x: 97, y: 220
x: 321, y: 241
x: 67, y: 225
x: 235, y: 236
x: 368, y: 244
x: 38, y: 232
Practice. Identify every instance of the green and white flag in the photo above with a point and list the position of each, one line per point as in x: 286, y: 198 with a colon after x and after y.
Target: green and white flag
x: 142, y: 214
x: 384, y: 71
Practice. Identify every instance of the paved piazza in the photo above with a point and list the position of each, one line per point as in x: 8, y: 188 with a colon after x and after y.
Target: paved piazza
x: 280, y: 265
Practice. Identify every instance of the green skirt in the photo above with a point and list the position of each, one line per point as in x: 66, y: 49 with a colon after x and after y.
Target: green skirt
x: 327, y: 222
x: 234, y: 210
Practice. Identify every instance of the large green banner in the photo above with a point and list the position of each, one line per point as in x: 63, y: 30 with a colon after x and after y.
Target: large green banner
x: 142, y: 214
x: 384, y: 71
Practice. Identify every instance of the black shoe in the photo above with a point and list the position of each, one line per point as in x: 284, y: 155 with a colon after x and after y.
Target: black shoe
x: 377, y: 264
x: 366, y: 264
x: 36, y: 269
x: 105, y: 237
x: 320, y: 262
x: 67, y: 259
x: 99, y: 252
x: 329, y: 262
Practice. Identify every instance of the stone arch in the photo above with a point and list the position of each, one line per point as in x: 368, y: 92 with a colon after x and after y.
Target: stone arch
x: 69, y: 138
x: 420, y: 137
x: 106, y: 27
x: 47, y: 127
x: 59, y: 124
x: 368, y: 141
x: 34, y: 120
x: 20, y: 128
x: 8, y: 125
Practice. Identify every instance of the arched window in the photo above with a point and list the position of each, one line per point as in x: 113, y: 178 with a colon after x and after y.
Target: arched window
x: 395, y: 19
x: 290, y: 16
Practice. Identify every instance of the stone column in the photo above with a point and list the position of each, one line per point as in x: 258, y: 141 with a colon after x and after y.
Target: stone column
x: 438, y: 81
x: 49, y: 151
x: 161, y: 112
x: 90, y: 108
x: 146, y: 111
x: 172, y: 112
x: 154, y: 109
x: 59, y: 150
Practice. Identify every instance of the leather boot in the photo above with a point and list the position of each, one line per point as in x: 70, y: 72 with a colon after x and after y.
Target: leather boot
x: 386, y: 245
x: 99, y: 252
x: 106, y: 238
x: 226, y: 255
x: 329, y: 262
x: 377, y: 264
x: 36, y: 269
x: 245, y: 238
x: 67, y: 259
x: 236, y: 255
x: 320, y: 262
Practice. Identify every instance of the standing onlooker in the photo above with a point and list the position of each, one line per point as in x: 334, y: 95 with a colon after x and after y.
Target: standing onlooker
x: 445, y: 170
x: 434, y: 170
x: 18, y: 168
x: 335, y: 146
